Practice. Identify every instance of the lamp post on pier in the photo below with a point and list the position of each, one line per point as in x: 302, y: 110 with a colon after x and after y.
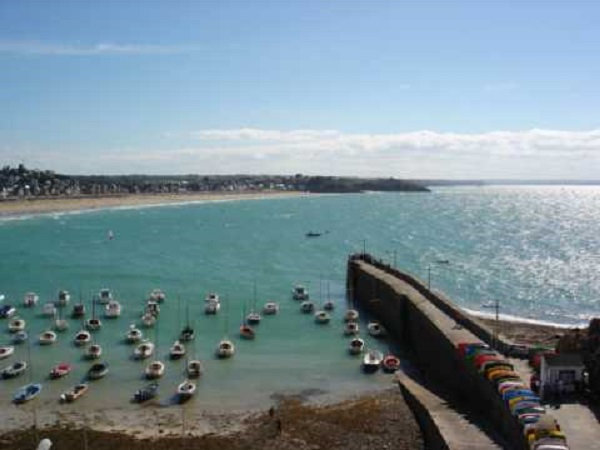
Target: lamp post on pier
x: 432, y: 263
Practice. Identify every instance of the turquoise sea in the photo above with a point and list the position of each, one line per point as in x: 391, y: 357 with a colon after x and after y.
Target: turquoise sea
x: 535, y: 249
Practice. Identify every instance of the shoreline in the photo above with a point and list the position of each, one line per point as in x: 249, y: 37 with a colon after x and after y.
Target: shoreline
x: 40, y: 206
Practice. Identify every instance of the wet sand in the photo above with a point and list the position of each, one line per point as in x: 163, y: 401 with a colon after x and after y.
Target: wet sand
x: 61, y: 204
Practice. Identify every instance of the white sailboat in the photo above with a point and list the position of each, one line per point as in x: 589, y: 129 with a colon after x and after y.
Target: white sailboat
x: 226, y: 348
x: 30, y: 299
x: 93, y: 323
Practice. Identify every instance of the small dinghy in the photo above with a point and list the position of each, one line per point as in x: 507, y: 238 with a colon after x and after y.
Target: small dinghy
x: 329, y: 305
x: 30, y: 299
x: 351, y: 329
x: 351, y: 315
x: 307, y: 307
x: 16, y: 325
x: 194, y: 368
x: 300, y: 293
x: 152, y: 307
x: 270, y: 309
x: 82, y: 338
x: 27, y: 392
x: 93, y: 324
x: 78, y: 311
x: 177, y: 350
x: 47, y: 337
x: 104, y: 296
x: 187, y: 334
x: 60, y: 370
x: 144, y: 350
x: 49, y: 310
x: 253, y: 318
x: 322, y: 317
x: 20, y: 337
x: 390, y: 363
x: 146, y: 393
x: 94, y: 351
x: 155, y: 369
x: 356, y: 346
x: 97, y: 371
x: 212, y: 303
x: 112, y: 310
x: 14, y: 370
x: 372, y: 361
x: 148, y: 319
x: 225, y: 349
x: 6, y: 351
x: 63, y: 298
x: 133, y: 335
x: 247, y: 332
x: 186, y: 390
x: 75, y: 393
x: 158, y: 296
x: 7, y: 311
x: 376, y: 329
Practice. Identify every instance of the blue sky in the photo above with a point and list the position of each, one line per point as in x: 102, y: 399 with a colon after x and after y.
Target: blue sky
x: 447, y: 89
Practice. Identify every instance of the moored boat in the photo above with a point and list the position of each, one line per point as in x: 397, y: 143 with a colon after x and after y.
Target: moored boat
x: 49, y: 309
x: 133, y: 335
x: 356, y: 346
x: 93, y: 324
x: 155, y: 369
x: 94, y: 351
x: 30, y: 299
x: 187, y: 334
x: 300, y: 293
x: 376, y: 329
x: 16, y: 325
x: 104, y: 296
x: 6, y: 351
x: 157, y: 295
x: 247, y: 332
x: 307, y: 307
x: 82, y: 337
x: 253, y: 318
x: 47, y: 337
x: 146, y: 393
x: 75, y: 392
x: 144, y: 350
x: 112, y: 310
x: 194, y: 368
x: 177, y: 350
x: 270, y: 308
x: 152, y: 307
x: 14, y: 370
x: 322, y: 317
x: 212, y: 303
x: 78, y: 311
x: 97, y: 371
x: 225, y: 349
x: 390, y: 363
x: 27, y: 393
x: 148, y: 319
x: 372, y: 360
x: 19, y: 337
x: 186, y: 390
x: 60, y: 324
x: 329, y: 305
x: 351, y: 315
x: 60, y: 370
x: 7, y: 311
x: 63, y: 298
x: 351, y: 328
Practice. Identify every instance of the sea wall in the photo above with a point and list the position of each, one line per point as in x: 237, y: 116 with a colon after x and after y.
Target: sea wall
x: 431, y: 327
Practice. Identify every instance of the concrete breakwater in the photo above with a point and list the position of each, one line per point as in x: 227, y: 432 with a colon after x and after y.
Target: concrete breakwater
x: 432, y: 327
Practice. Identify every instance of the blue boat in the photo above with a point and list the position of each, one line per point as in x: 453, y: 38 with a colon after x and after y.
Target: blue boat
x: 27, y: 392
x: 146, y: 393
x: 7, y: 311
x: 20, y: 337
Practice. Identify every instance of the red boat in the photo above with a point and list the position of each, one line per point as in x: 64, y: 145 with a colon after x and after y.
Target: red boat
x: 390, y: 363
x: 247, y: 332
x: 60, y: 370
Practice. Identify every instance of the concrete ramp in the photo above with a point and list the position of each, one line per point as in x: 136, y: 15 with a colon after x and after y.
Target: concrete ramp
x: 443, y: 428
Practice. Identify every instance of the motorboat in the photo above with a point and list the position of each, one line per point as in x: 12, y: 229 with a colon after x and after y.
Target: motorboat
x: 112, y: 310
x: 144, y: 350
x: 186, y: 390
x: 146, y: 393
x: 390, y: 363
x: 152, y: 307
x: 247, y: 332
x: 351, y: 329
x: 194, y: 368
x: 7, y: 311
x: 225, y: 349
x: 14, y: 370
x: 94, y: 351
x: 133, y: 335
x: 75, y: 392
x: 307, y: 306
x: 60, y: 370
x: 270, y: 308
x: 30, y: 299
x: 155, y: 369
x: 49, y: 309
x: 300, y: 293
x: 105, y: 296
x: 187, y: 334
x: 351, y: 315
x: 148, y: 320
x: 16, y: 325
x: 82, y: 338
x: 47, y: 337
x: 372, y: 360
x: 356, y: 346
x: 253, y: 318
x: 158, y: 295
x: 376, y: 329
x: 97, y: 371
x: 63, y: 298
x: 19, y: 337
x: 6, y: 351
x: 78, y: 311
x: 177, y: 350
x: 27, y: 392
x: 329, y: 305
x: 212, y: 303
x: 322, y: 317
x: 93, y: 324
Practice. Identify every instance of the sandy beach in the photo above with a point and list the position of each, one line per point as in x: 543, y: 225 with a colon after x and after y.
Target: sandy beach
x: 39, y: 205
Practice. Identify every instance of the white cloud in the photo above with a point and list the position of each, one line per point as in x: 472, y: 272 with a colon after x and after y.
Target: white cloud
x: 55, y: 49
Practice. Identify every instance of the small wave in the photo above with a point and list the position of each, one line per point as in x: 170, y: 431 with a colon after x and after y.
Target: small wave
x: 519, y: 319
